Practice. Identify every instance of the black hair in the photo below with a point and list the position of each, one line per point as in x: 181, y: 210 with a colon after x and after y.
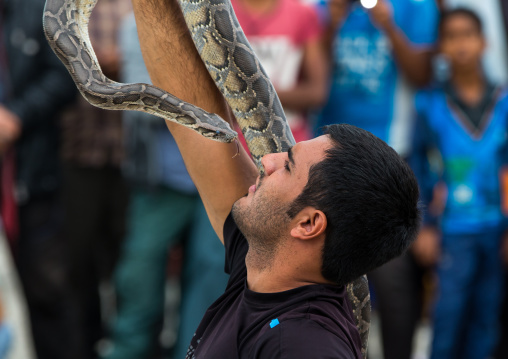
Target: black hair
x: 460, y: 11
x: 370, y: 198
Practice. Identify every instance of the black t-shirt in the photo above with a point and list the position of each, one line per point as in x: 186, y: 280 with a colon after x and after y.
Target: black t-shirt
x: 313, y: 321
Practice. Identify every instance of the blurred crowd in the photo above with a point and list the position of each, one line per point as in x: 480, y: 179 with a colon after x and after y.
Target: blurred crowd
x: 97, y: 209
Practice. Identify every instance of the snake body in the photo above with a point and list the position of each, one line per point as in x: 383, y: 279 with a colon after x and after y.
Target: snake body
x: 231, y: 63
x: 66, y: 28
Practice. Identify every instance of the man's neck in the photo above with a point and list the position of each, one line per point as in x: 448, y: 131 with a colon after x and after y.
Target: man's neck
x: 268, y: 281
x: 277, y: 274
x: 470, y: 85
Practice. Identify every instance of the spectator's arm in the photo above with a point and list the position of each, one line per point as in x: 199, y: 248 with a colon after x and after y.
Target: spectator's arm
x: 311, y: 90
x: 427, y: 247
x: 503, y: 178
x: 337, y: 10
x: 10, y: 129
x: 414, y: 62
x: 424, y: 141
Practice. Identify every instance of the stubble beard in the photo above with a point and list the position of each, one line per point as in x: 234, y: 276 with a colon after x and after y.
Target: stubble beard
x: 263, y: 224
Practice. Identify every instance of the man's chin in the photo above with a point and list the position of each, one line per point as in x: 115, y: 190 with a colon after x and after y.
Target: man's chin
x: 238, y: 203
x: 237, y: 209
x: 242, y: 203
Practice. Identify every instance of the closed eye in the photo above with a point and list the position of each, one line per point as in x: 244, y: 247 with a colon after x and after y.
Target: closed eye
x: 286, y: 166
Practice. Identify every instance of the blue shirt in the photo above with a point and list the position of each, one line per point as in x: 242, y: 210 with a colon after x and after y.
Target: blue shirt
x: 172, y: 168
x: 367, y: 88
x: 471, y: 160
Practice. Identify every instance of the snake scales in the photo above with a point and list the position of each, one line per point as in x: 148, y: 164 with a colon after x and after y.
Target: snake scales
x: 232, y: 64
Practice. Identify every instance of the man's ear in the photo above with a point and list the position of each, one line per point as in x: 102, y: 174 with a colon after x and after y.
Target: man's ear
x: 309, y: 223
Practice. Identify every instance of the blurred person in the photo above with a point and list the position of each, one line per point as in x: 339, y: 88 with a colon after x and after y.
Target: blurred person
x: 95, y: 193
x: 286, y: 37
x: 465, y: 121
x: 492, y: 13
x: 164, y: 209
x: 378, y: 56
x: 494, y: 16
x: 5, y: 334
x: 15, y: 336
x: 34, y: 88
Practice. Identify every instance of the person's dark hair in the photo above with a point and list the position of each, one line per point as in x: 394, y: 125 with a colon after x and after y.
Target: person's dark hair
x: 460, y: 11
x: 370, y: 198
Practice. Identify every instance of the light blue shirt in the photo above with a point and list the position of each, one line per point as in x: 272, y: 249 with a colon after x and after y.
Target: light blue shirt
x: 153, y: 157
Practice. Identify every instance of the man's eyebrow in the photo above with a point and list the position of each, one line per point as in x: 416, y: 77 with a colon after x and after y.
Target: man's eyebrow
x: 290, y: 156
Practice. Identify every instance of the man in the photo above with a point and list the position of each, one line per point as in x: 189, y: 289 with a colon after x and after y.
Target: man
x: 465, y: 121
x: 324, y: 213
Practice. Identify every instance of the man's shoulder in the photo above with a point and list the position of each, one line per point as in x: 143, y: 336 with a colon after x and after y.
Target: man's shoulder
x: 302, y: 337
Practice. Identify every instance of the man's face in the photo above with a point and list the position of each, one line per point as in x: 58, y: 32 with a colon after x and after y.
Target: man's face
x: 262, y: 214
x: 462, y: 42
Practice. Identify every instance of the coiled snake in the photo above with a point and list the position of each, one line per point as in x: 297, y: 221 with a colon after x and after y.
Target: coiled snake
x: 233, y: 66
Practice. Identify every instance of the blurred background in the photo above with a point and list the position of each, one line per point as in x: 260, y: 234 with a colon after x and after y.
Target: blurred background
x: 105, y: 248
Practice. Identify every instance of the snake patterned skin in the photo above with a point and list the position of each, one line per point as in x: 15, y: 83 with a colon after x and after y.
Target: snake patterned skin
x: 66, y: 28
x: 233, y: 66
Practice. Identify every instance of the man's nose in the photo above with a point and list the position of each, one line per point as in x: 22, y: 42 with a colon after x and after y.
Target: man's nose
x: 272, y: 162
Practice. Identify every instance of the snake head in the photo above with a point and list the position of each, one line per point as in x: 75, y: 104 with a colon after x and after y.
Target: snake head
x: 218, y: 134
x: 214, y: 127
x: 225, y: 136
